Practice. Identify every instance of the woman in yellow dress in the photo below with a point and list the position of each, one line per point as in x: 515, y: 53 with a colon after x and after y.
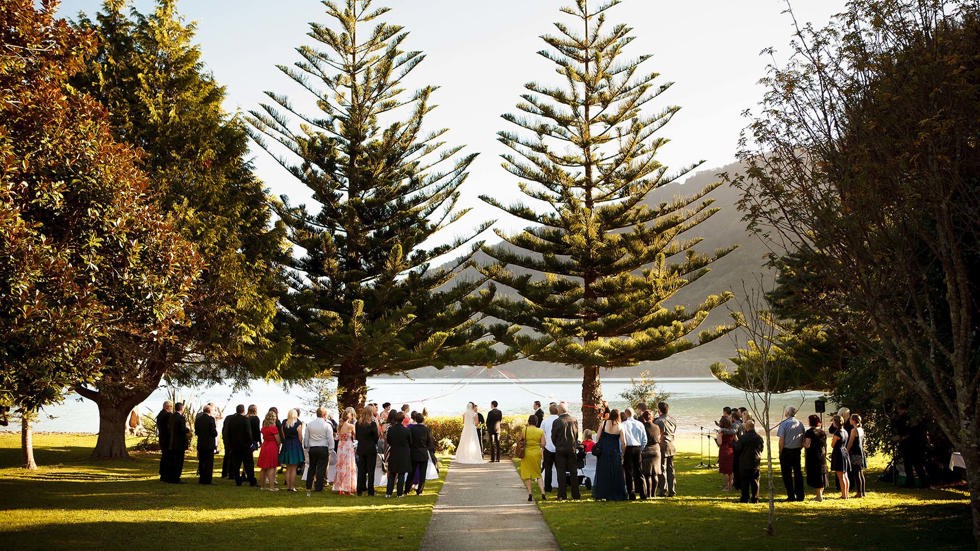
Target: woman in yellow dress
x: 531, y: 464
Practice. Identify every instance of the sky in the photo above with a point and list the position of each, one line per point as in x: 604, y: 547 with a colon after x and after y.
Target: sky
x: 480, y: 54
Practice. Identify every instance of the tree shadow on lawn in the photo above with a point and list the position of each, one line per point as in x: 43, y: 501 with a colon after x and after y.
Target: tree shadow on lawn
x: 354, y: 528
x: 704, y: 516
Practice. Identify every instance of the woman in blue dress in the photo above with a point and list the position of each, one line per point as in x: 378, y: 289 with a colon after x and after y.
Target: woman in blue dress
x: 610, y: 483
x: 291, y: 454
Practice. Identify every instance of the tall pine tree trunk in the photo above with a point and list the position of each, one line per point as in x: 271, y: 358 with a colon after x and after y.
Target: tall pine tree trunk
x: 591, y: 398
x: 351, y: 387
x: 27, y: 440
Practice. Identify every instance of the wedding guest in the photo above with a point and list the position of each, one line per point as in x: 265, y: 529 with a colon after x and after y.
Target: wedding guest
x: 564, y: 436
x: 911, y: 447
x: 180, y: 436
x: 207, y: 431
x: 163, y: 437
x: 589, y: 440
x: 538, y: 412
x: 610, y: 483
x: 367, y: 431
x: 255, y: 425
x: 668, y: 428
x: 345, y: 476
x: 855, y: 448
x: 494, y: 417
x: 481, y: 424
x: 749, y: 448
x: 421, y: 443
x: 815, y: 443
x: 840, y: 461
x: 790, y: 433
x: 384, y: 416
x: 269, y: 452
x: 650, y: 454
x: 549, y: 447
x: 239, y: 446
x: 291, y: 453
x: 636, y: 440
x: 399, y: 455
x: 406, y: 416
x: 845, y: 415
x: 534, y: 442
x: 229, y: 456
x: 317, y: 441
x: 726, y: 451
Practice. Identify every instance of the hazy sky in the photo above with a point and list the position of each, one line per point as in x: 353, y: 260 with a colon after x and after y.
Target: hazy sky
x: 481, y: 54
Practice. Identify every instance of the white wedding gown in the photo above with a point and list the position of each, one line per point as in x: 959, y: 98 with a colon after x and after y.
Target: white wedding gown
x: 468, y: 450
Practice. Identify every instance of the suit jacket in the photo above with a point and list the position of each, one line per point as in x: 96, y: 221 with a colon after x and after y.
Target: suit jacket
x: 540, y: 415
x: 256, y: 425
x: 206, y: 430
x: 180, y: 435
x: 748, y: 451
x: 493, y: 418
x: 239, y: 432
x: 564, y: 432
x: 400, y: 444
x: 421, y: 441
x: 163, y: 429
x: 367, y: 437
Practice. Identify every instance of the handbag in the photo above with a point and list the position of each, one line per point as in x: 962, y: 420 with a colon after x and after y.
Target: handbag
x: 519, y: 447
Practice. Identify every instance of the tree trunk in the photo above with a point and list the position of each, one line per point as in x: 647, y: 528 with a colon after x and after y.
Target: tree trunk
x: 27, y: 440
x: 351, y: 387
x: 112, y: 432
x: 771, y: 525
x: 971, y: 457
x: 591, y: 398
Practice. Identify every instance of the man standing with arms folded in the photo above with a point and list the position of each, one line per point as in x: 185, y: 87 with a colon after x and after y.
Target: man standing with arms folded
x: 494, y: 417
x: 790, y: 433
x: 564, y: 435
x: 317, y: 440
x: 668, y: 427
x: 636, y: 440
x: 548, y: 453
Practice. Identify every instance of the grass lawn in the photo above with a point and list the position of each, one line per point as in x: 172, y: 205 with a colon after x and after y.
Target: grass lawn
x: 702, y: 516
x: 73, y: 502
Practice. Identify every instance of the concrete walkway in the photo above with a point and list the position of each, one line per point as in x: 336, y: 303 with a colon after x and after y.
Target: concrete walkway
x: 485, y: 508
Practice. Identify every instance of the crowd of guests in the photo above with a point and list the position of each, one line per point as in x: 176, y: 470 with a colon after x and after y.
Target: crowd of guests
x: 634, y: 451
x: 397, y: 442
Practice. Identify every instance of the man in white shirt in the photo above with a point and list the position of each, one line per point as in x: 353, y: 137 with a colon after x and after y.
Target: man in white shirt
x: 317, y: 440
x: 548, y: 452
x: 636, y: 440
x: 790, y: 433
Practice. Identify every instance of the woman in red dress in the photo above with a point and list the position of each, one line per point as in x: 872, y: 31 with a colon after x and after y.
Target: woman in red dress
x: 269, y: 452
x: 726, y: 451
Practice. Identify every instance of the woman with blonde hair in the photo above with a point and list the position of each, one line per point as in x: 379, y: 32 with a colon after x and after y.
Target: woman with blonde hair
x: 345, y: 479
x: 291, y: 454
x: 269, y: 452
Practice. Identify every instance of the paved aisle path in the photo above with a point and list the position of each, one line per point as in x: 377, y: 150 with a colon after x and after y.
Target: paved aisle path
x: 485, y: 508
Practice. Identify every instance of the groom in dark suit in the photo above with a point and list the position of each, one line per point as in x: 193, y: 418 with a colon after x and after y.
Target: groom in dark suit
x: 240, y: 446
x: 493, y: 430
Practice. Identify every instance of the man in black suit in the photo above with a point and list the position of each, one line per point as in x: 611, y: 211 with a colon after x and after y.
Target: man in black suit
x: 421, y: 442
x: 226, y: 460
x: 564, y: 434
x: 240, y: 445
x: 180, y: 440
x: 493, y: 430
x: 163, y: 437
x: 538, y: 412
x: 206, y: 430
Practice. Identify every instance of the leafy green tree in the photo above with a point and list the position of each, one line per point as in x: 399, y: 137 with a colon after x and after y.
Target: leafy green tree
x: 372, y: 293
x: 84, y: 255
x: 593, y: 272
x: 149, y: 75
x: 865, y: 155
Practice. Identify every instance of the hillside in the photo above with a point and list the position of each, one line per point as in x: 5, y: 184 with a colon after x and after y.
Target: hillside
x: 723, y: 229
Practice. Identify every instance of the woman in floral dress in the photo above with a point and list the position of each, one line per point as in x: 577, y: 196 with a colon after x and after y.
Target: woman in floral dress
x: 345, y: 479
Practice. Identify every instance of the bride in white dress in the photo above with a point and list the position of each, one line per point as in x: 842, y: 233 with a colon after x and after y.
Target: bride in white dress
x: 468, y: 450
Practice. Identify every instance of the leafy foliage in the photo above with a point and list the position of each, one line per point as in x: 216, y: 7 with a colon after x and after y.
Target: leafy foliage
x: 593, y: 272
x: 365, y: 296
x: 643, y: 389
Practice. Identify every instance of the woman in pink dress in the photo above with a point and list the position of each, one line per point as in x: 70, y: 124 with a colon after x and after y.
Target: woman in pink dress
x: 269, y: 452
x: 726, y: 452
x: 345, y: 479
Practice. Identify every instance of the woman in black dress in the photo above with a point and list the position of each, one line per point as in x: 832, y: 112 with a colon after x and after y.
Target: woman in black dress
x: 840, y: 462
x: 855, y: 449
x: 650, y: 455
x: 610, y: 482
x: 815, y: 442
x: 399, y: 455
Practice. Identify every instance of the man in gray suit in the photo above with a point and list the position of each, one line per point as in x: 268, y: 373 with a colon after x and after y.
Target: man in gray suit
x: 564, y: 434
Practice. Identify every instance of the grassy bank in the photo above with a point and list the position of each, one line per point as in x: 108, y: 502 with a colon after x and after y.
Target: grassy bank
x: 73, y: 502
x: 703, y: 516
